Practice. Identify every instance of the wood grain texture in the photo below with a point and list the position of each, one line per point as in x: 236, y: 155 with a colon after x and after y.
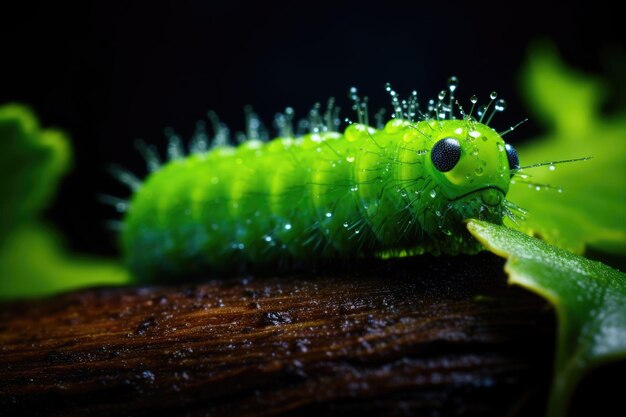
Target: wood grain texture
x: 425, y: 336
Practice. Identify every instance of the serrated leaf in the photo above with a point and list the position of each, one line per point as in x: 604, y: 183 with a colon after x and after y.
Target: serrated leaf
x: 588, y: 296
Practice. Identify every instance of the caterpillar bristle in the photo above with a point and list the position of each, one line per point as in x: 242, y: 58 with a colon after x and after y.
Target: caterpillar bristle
x: 125, y: 177
x: 149, y: 154
x: 512, y: 128
x: 552, y: 163
x: 175, y: 148
x: 255, y: 130
x: 283, y: 123
x: 221, y: 132
x: 114, y: 225
x: 199, y: 142
x: 538, y: 186
x: 119, y: 204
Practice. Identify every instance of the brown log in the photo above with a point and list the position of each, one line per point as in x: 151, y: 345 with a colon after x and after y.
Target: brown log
x: 427, y: 336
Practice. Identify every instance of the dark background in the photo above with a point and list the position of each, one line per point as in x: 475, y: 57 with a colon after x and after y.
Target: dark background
x: 109, y: 73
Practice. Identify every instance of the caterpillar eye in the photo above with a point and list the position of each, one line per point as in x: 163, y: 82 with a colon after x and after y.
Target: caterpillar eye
x: 445, y: 154
x: 511, y: 154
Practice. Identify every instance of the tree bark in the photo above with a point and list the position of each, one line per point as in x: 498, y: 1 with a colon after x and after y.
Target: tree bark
x: 427, y: 336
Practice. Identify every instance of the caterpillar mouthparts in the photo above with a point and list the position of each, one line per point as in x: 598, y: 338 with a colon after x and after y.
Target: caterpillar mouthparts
x: 316, y: 193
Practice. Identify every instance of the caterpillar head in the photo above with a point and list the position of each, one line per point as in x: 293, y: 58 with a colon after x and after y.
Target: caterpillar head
x: 471, y: 167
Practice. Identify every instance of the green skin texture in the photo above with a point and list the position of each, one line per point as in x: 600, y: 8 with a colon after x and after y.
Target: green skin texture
x: 318, y: 198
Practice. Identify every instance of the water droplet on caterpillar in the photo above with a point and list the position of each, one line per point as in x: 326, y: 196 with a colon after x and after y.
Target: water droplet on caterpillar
x: 453, y: 83
x: 433, y: 193
x: 350, y: 158
x: 353, y: 93
x: 479, y: 171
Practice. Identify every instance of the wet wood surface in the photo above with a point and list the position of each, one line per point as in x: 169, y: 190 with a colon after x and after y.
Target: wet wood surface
x: 426, y: 336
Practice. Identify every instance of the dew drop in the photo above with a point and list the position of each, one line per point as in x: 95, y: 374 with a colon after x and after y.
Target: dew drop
x: 474, y: 99
x: 287, y: 226
x: 329, y: 214
x: 345, y: 225
x: 453, y: 83
x: 500, y: 105
x: 493, y: 95
x: 433, y: 193
x: 441, y: 95
x: 479, y: 171
x: 350, y: 158
x: 551, y: 167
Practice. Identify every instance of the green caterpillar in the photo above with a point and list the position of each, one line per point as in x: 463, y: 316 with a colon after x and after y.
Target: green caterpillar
x: 402, y: 188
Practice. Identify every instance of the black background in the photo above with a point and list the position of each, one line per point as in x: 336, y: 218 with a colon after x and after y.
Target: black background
x: 108, y: 73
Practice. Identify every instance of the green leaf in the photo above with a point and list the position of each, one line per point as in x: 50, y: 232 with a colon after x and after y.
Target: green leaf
x: 588, y: 296
x: 589, y: 209
x: 32, y: 161
x: 33, y: 263
x: 32, y: 259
